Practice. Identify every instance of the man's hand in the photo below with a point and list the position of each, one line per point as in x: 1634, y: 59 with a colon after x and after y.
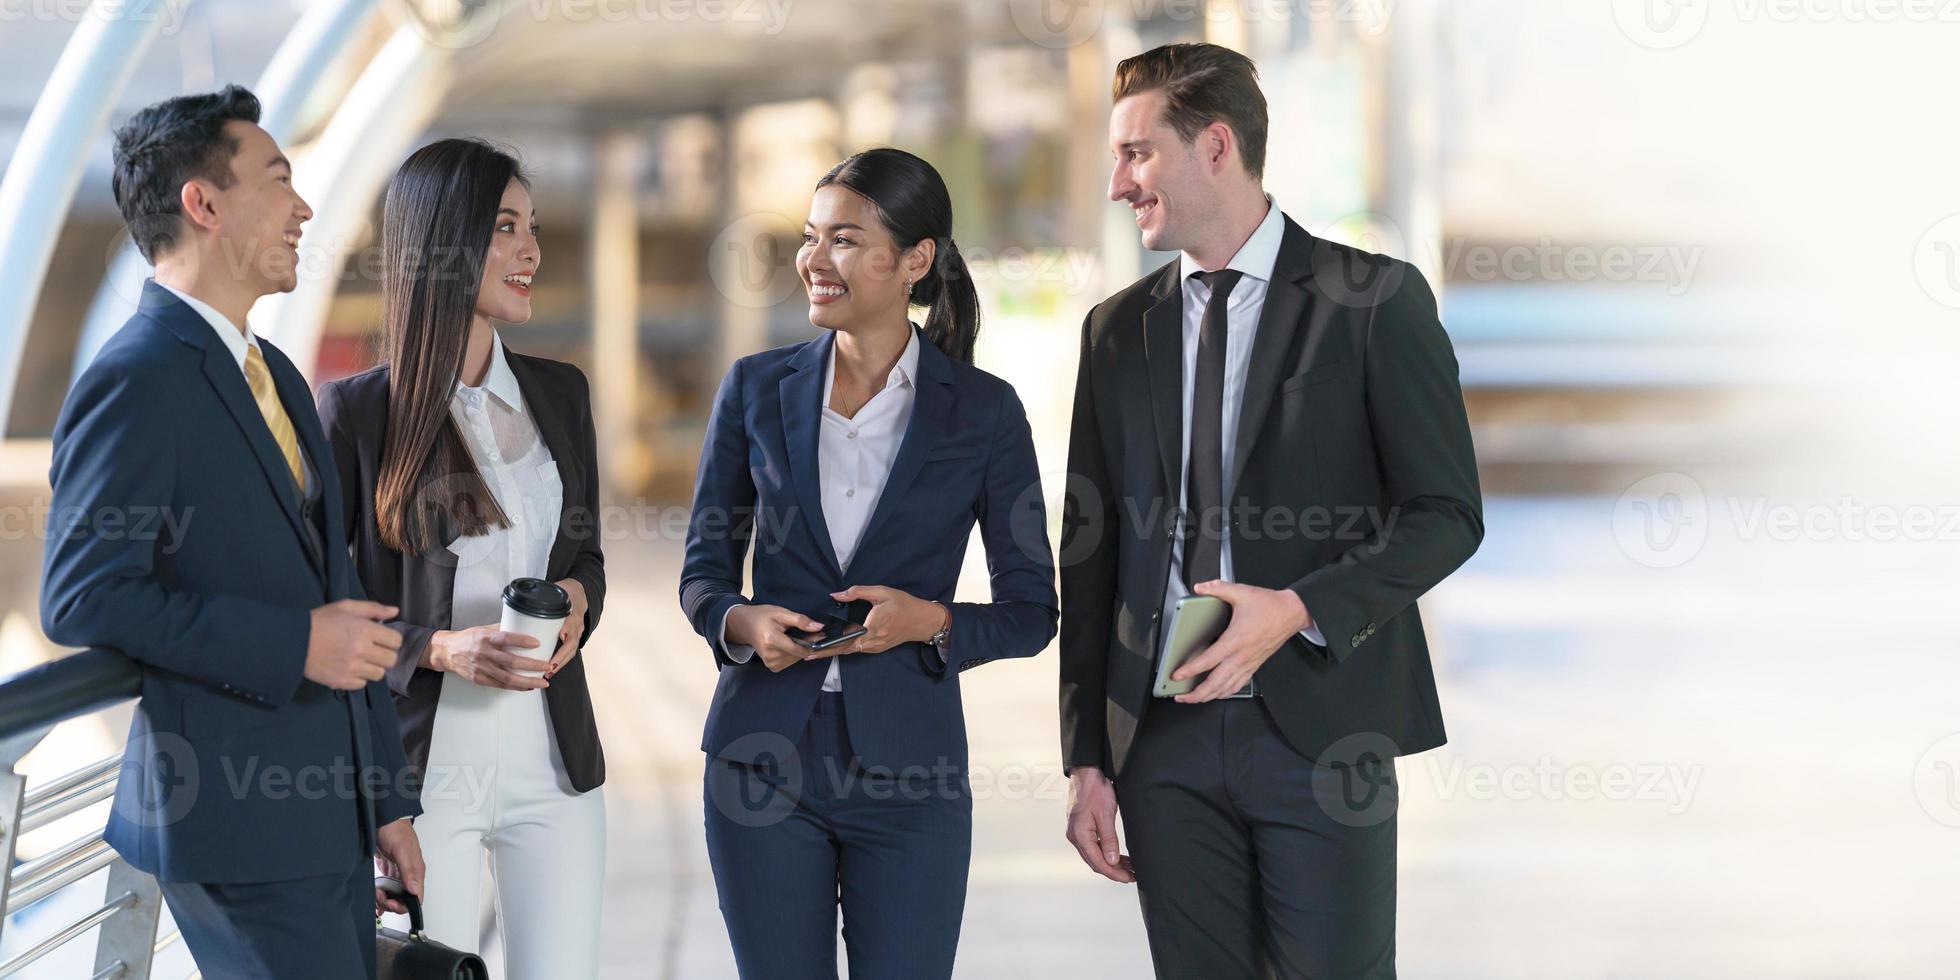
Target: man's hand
x: 766, y: 629
x: 573, y: 631
x: 896, y: 617
x: 1262, y: 620
x: 349, y: 647
x: 1092, y: 825
x: 487, y: 656
x: 398, y: 854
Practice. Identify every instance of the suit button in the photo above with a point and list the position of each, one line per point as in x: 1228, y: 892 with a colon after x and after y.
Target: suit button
x: 1156, y: 614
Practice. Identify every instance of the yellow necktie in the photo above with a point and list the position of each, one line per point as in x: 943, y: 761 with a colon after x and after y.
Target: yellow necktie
x: 267, y: 395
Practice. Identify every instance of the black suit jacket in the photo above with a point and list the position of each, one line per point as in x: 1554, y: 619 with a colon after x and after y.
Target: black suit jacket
x: 355, y: 413
x: 1356, y: 487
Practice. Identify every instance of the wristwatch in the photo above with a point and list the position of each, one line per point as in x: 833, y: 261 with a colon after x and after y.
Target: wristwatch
x: 942, y: 639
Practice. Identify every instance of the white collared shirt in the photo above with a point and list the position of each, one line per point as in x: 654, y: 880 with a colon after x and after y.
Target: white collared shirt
x: 854, y: 459
x: 1255, y: 259
x: 239, y: 340
x: 519, y: 469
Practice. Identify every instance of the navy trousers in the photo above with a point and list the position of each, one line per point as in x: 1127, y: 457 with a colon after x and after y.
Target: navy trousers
x: 321, y: 926
x: 808, y: 830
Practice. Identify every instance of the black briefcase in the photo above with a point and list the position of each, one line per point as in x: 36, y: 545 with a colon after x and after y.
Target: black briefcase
x: 413, y: 956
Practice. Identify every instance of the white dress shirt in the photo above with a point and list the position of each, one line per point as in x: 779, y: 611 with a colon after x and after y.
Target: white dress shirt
x: 854, y: 458
x: 521, y: 473
x: 239, y: 340
x: 1255, y: 260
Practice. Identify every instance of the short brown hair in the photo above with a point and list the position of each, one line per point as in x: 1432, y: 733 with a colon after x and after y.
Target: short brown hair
x: 1202, y: 84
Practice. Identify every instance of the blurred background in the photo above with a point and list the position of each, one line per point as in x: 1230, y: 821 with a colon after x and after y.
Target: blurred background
x: 1700, y: 260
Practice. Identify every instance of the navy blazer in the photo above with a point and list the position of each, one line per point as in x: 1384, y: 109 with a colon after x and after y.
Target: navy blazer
x: 967, y: 456
x: 237, y: 768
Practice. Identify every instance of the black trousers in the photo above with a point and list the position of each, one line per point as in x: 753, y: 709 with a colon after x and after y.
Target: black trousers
x: 792, y: 842
x: 321, y: 926
x: 1252, y: 860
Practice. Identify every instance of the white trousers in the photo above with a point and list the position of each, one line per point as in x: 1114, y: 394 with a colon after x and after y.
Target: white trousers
x: 495, y: 782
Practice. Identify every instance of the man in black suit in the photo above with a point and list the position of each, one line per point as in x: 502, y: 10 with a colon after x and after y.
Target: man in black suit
x: 264, y: 768
x: 1274, y: 420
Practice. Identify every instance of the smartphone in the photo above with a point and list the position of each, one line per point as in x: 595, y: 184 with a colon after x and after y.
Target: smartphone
x: 1196, y: 623
x: 835, y: 631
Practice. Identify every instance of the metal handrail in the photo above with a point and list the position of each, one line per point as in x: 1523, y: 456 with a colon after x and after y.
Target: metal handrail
x: 82, y: 788
x: 75, y: 685
x: 32, y: 702
x: 76, y: 928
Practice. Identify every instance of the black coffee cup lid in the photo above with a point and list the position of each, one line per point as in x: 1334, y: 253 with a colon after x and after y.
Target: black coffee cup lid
x: 537, y: 597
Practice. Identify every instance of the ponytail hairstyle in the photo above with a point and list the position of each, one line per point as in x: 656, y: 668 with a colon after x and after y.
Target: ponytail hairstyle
x: 913, y: 204
x: 436, y: 226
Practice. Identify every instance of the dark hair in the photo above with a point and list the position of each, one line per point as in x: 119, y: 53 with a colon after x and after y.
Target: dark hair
x: 1202, y: 84
x: 167, y: 144
x: 436, y: 228
x: 913, y: 204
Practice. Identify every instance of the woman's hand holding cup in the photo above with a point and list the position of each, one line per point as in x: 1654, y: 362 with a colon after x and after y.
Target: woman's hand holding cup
x: 489, y: 656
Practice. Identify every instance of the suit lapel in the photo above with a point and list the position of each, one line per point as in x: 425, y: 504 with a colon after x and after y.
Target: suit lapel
x: 1163, y: 350
x: 554, y: 430
x: 932, y: 409
x: 222, y: 371
x: 1286, y: 307
x: 297, y: 399
x: 800, y: 397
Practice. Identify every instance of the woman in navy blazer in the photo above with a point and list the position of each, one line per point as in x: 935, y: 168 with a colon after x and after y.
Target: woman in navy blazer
x: 858, y: 464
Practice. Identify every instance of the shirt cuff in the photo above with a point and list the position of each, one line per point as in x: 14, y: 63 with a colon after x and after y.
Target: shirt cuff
x: 1313, y: 635
x: 737, y: 652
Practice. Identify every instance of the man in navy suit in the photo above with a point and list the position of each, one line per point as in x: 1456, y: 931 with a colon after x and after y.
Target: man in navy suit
x: 196, y: 528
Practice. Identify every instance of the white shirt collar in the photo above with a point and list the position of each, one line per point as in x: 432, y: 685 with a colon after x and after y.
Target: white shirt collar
x: 236, y: 340
x: 498, y: 382
x: 1257, y: 257
x: 902, y: 373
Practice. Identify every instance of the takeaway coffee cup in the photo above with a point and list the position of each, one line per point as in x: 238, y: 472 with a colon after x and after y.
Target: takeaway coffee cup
x: 535, y: 608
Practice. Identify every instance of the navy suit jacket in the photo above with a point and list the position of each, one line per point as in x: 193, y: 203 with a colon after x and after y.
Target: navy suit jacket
x: 967, y: 456
x: 176, y: 538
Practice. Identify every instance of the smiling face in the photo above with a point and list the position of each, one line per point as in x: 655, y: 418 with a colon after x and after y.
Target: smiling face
x: 505, y: 293
x: 853, y: 270
x: 258, y: 217
x: 1162, y: 178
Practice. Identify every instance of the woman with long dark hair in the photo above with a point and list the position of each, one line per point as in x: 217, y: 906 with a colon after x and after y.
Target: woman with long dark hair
x: 470, y: 467
x: 859, y: 462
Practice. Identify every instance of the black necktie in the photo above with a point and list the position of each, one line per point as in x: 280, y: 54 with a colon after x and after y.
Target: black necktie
x: 1204, y: 478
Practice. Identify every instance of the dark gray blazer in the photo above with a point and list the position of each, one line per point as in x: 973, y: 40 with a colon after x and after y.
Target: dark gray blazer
x: 1356, y: 488
x: 354, y: 411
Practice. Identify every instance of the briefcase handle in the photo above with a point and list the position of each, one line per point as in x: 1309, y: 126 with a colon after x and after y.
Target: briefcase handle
x: 393, y: 888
